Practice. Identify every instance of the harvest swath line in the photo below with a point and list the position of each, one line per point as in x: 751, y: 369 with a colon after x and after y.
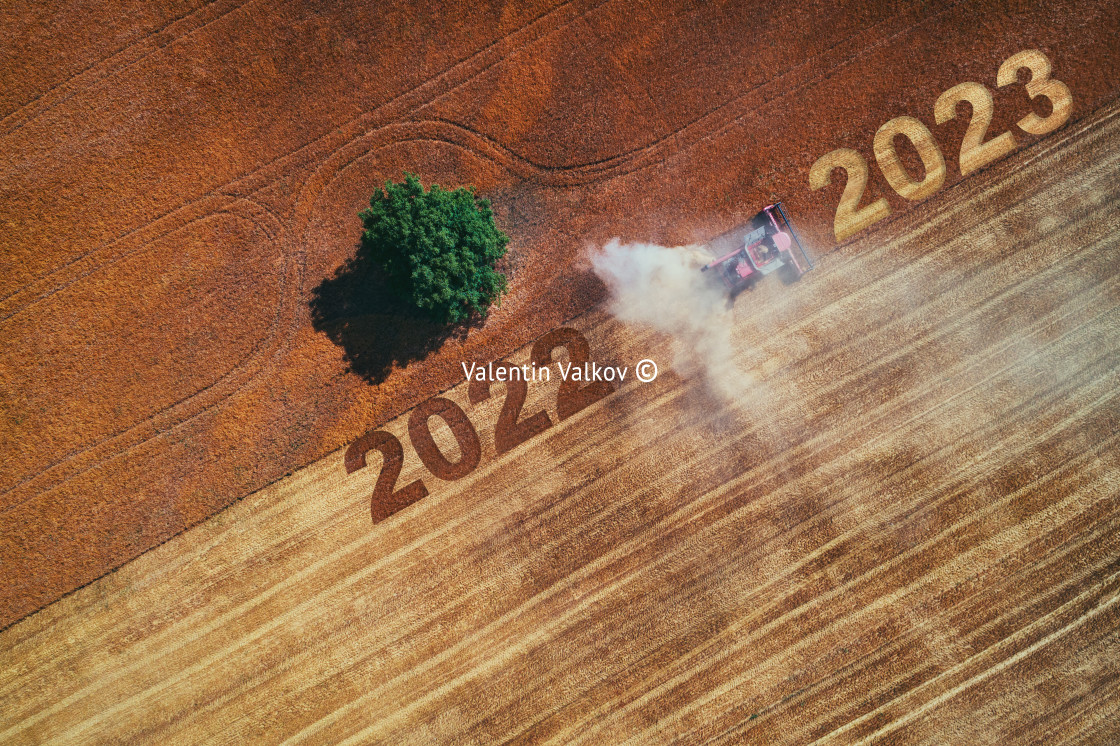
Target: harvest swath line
x: 829, y: 513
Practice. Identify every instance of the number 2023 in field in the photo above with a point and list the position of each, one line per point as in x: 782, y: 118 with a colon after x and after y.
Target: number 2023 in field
x: 975, y: 151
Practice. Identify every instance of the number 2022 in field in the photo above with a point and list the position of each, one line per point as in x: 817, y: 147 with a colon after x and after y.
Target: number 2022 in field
x: 975, y: 151
x: 510, y: 430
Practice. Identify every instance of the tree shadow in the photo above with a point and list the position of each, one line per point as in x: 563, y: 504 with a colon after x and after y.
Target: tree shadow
x: 356, y: 310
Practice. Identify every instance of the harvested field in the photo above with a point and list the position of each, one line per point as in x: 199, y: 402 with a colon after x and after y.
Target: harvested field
x: 180, y: 179
x: 903, y: 531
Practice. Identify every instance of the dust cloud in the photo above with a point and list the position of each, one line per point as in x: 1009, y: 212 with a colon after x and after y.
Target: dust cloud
x: 662, y: 288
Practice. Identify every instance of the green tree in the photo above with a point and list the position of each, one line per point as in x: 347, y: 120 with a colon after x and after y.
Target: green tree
x: 437, y: 248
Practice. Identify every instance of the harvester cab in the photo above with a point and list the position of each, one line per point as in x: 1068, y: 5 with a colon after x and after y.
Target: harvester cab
x: 765, y: 244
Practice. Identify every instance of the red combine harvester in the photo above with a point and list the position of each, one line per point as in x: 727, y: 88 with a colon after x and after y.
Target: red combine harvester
x: 762, y: 246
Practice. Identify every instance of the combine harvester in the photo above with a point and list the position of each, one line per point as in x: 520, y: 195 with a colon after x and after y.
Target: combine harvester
x: 761, y: 246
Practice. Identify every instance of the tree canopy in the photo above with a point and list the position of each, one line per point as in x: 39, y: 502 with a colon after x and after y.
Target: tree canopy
x: 437, y: 248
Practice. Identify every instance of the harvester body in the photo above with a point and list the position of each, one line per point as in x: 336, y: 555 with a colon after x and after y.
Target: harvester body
x: 767, y: 243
